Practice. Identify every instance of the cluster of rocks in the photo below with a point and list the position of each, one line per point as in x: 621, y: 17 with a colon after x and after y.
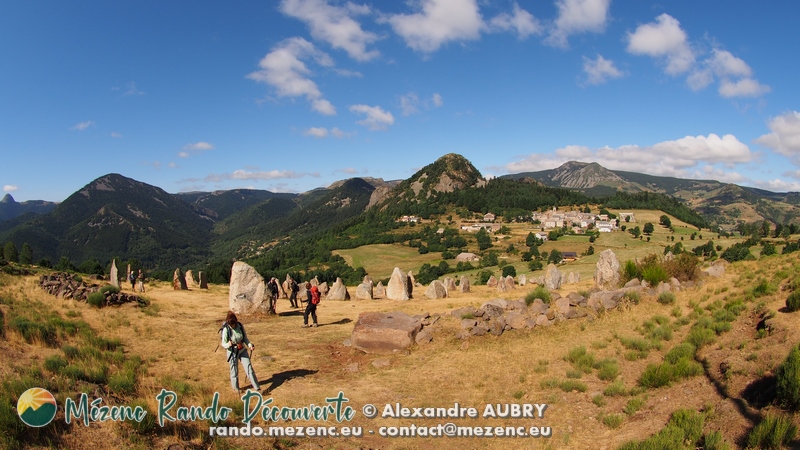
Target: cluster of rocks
x: 64, y: 285
x: 183, y: 281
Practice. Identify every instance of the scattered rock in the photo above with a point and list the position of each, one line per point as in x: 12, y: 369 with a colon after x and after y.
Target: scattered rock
x: 338, y: 291
x: 398, y: 289
x: 376, y: 332
x: 436, y: 290
x: 606, y: 275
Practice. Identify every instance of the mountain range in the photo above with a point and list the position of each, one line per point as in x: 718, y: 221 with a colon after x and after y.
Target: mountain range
x: 118, y: 217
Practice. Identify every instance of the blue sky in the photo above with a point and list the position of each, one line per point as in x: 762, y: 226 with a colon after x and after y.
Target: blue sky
x: 292, y: 95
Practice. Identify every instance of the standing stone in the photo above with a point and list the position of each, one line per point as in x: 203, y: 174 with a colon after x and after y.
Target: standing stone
x: 248, y: 293
x: 364, y: 291
x: 571, y: 278
x: 368, y: 279
x: 463, y: 284
x: 492, y: 282
x: 411, y: 282
x: 606, y: 275
x: 436, y: 290
x: 323, y: 288
x: 189, y: 279
x: 449, y: 284
x: 500, y: 283
x: 178, y: 281
x: 510, y: 283
x: 523, y: 280
x: 128, y: 273
x: 203, y: 280
x: 397, y: 289
x: 552, y: 277
x: 114, y: 275
x: 379, y: 291
x: 338, y: 291
x: 314, y: 281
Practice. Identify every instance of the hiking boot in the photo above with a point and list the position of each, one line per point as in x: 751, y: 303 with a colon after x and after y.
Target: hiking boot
x: 304, y: 326
x: 315, y: 325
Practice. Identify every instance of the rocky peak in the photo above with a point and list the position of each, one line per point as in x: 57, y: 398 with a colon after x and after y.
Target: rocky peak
x: 578, y: 175
x: 8, y: 199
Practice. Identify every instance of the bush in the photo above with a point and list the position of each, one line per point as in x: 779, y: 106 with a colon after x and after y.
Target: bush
x: 484, y: 276
x: 787, y: 380
x: 607, y: 369
x: 572, y: 385
x: 630, y: 271
x: 654, y: 274
x: 772, y: 432
x: 666, y: 298
x: 535, y: 265
x: 793, y: 301
x: 539, y: 292
x: 96, y: 299
x: 109, y: 288
x: 509, y: 270
x: 612, y: 421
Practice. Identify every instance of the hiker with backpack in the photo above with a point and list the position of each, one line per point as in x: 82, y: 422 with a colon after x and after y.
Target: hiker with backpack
x: 293, y: 288
x: 272, y: 285
x: 311, y: 306
x: 234, y: 339
x: 132, y: 279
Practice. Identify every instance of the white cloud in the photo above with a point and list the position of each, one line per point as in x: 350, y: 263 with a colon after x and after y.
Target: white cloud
x: 679, y: 158
x: 778, y: 185
x: 10, y: 188
x: 348, y: 171
x: 725, y: 64
x: 322, y: 132
x: 746, y: 87
x: 600, y: 70
x: 663, y: 38
x: 196, y: 147
x: 116, y: 135
x: 172, y: 165
x: 578, y: 16
x: 437, y: 100
x: 242, y: 174
x: 785, y: 135
x: 409, y: 104
x: 376, y: 117
x: 82, y: 125
x: 792, y: 174
x: 283, y: 69
x: 334, y: 25
x: 520, y: 21
x: 438, y: 22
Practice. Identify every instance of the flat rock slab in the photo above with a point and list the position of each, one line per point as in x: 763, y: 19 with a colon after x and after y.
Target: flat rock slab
x: 376, y: 332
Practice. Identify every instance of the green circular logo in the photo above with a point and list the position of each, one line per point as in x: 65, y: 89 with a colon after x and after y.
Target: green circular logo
x: 36, y: 407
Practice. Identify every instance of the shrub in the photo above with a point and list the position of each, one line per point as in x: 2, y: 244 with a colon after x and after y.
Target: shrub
x: 55, y: 363
x: 607, y: 369
x: 580, y: 359
x: 792, y: 301
x: 509, y: 270
x: 700, y: 336
x: 630, y: 271
x: 572, y: 385
x: 633, y: 405
x: 664, y: 374
x: 683, y: 350
x: 775, y: 431
x: 633, y: 296
x: 714, y: 441
x: 612, y: 421
x: 148, y: 423
x: 690, y: 422
x: 615, y: 389
x: 666, y: 298
x: 484, y: 276
x: 96, y: 299
x: 654, y: 274
x: 539, y: 292
x: 787, y: 380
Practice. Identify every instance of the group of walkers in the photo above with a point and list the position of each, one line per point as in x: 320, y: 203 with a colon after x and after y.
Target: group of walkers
x: 137, y: 281
x: 311, y: 301
x: 234, y: 338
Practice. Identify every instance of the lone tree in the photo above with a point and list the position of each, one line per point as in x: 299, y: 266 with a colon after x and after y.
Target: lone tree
x: 26, y: 254
x: 664, y: 220
x: 10, y: 253
x: 648, y: 228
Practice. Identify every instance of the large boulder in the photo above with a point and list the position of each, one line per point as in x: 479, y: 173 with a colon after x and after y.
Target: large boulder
x: 398, y: 287
x: 338, y: 291
x: 178, y: 280
x: 463, y: 284
x: 523, y: 279
x: 552, y: 277
x: 203, y: 280
x: 189, y: 277
x: 510, y: 282
x: 364, y: 291
x: 248, y: 293
x: 323, y: 288
x: 436, y: 290
x: 606, y: 275
x: 449, y: 284
x: 717, y: 269
x: 376, y: 332
x: 492, y: 282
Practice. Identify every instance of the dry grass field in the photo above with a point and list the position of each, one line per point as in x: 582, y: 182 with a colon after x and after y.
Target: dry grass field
x: 176, y: 336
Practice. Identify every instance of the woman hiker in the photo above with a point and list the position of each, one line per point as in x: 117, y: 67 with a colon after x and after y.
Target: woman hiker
x: 234, y: 338
x: 311, y: 306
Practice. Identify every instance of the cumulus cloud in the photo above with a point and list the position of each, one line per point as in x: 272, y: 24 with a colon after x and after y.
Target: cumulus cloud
x: 322, y: 132
x: 411, y: 104
x: 600, y: 70
x: 376, y: 118
x: 520, y: 21
x: 196, y: 147
x: 578, y: 16
x: 438, y: 22
x: 778, y: 185
x: 285, y: 70
x: 81, y: 126
x: 10, y: 188
x: 334, y: 25
x: 746, y: 87
x: 665, y: 39
x: 784, y: 137
x: 723, y: 65
x: 686, y: 157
